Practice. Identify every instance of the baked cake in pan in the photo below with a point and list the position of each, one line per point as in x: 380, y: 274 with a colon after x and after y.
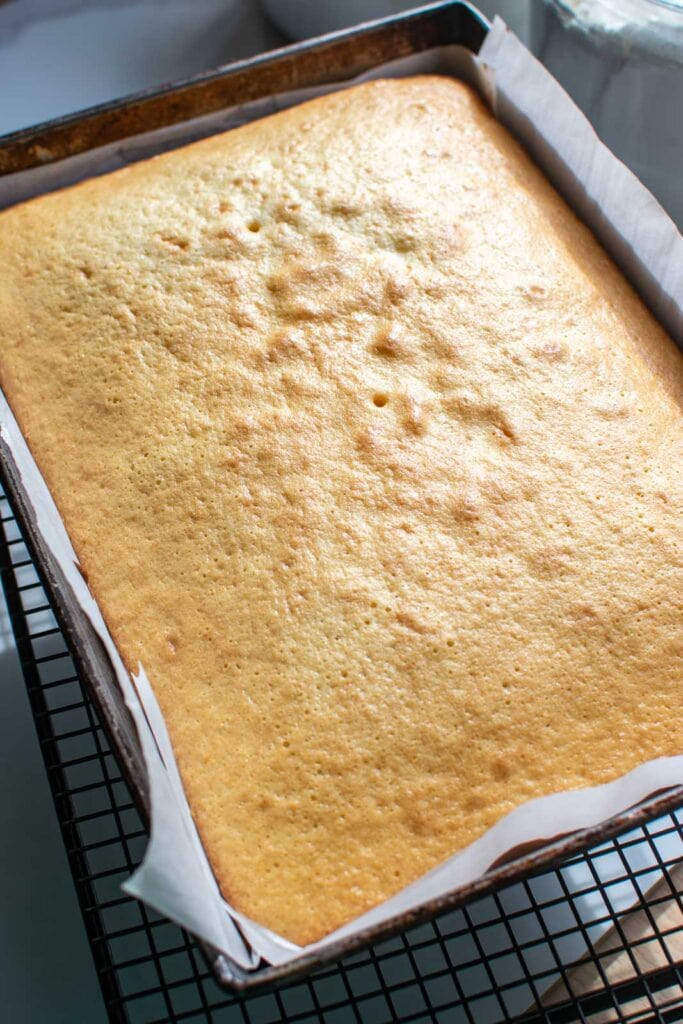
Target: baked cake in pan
x: 372, y: 458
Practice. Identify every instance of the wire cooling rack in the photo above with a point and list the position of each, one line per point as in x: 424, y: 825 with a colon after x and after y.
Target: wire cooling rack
x: 599, y: 940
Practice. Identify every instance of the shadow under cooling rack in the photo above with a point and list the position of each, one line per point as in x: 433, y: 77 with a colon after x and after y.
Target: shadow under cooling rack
x: 598, y: 940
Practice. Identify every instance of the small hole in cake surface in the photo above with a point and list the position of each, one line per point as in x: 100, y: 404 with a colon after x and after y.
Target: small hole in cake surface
x: 254, y: 226
x: 175, y: 241
x: 380, y: 399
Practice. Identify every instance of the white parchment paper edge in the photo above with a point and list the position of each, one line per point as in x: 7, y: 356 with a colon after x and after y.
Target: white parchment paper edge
x: 175, y: 877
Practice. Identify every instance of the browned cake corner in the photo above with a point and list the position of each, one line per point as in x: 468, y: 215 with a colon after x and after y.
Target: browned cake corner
x: 374, y: 462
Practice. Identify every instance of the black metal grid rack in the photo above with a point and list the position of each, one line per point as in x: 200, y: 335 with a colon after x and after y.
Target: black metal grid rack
x: 594, y: 941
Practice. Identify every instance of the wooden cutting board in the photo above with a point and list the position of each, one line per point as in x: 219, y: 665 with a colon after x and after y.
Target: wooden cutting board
x: 645, y: 939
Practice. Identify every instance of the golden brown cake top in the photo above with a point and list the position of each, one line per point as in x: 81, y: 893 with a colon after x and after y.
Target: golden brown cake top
x: 373, y: 459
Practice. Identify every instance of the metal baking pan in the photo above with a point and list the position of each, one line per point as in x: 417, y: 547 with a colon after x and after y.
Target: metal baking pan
x: 335, y: 57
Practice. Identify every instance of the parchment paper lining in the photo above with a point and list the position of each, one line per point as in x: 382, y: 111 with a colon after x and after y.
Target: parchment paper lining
x: 175, y: 877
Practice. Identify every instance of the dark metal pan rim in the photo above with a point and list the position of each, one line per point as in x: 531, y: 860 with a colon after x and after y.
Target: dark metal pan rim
x: 312, y: 62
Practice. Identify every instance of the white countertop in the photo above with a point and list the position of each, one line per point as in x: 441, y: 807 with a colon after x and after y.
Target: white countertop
x: 57, y: 56
x: 47, y: 974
